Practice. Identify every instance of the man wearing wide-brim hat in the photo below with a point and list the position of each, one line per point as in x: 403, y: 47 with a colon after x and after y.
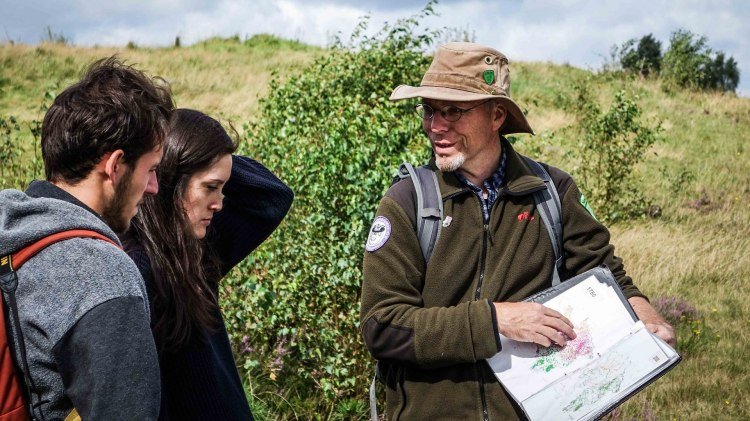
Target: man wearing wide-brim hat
x: 432, y: 319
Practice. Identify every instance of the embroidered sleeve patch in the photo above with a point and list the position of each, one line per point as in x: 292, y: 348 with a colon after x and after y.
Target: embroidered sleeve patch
x: 379, y: 233
x: 586, y: 206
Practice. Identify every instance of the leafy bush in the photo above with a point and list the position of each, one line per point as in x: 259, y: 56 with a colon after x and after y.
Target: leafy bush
x: 689, y: 62
x: 610, y: 144
x: 21, y: 160
x: 332, y: 134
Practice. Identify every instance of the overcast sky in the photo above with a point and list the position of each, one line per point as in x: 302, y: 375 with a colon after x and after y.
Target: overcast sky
x: 578, y: 32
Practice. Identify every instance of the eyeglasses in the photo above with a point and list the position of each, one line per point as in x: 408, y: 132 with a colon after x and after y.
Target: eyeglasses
x: 449, y: 112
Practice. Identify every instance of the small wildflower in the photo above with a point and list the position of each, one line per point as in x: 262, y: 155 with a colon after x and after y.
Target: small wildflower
x: 676, y: 309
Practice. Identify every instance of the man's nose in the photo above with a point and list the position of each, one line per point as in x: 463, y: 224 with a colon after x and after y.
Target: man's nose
x: 438, y: 123
x: 152, y: 187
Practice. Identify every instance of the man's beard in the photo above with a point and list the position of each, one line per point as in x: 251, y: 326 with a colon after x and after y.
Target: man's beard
x: 113, y: 213
x: 450, y: 164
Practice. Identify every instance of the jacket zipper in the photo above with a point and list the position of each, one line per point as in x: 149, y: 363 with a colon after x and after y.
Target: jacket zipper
x: 485, y: 232
x: 477, y: 367
x: 477, y: 293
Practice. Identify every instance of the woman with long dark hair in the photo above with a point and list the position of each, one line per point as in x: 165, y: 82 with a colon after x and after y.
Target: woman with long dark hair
x: 212, y: 209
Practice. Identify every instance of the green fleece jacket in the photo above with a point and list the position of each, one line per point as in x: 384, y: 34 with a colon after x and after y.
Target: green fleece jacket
x: 431, y: 327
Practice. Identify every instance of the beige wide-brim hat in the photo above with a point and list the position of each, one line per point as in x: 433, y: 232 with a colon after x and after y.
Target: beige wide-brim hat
x: 465, y: 71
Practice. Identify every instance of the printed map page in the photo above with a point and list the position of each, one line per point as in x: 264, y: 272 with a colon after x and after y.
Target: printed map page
x: 599, y: 319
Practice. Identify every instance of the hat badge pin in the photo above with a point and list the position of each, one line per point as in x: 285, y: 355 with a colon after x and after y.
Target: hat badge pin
x: 489, y: 74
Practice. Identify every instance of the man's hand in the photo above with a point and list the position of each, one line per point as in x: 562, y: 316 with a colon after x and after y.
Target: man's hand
x: 653, y: 320
x: 533, y: 322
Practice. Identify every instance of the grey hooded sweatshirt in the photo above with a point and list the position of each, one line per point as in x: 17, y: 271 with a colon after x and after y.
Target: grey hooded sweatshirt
x: 82, y: 310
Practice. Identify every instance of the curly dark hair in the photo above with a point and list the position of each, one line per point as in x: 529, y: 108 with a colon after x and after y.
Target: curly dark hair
x: 114, y: 106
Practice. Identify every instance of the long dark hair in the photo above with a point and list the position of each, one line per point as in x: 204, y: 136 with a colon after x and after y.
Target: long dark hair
x: 182, y: 267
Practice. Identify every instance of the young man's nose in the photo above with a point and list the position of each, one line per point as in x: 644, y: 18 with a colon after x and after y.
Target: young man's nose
x: 152, y: 187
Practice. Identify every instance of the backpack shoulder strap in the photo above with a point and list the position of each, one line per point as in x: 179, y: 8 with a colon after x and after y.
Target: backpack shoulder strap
x: 21, y: 256
x: 429, y: 214
x: 429, y: 211
x: 548, y: 202
x: 11, y: 327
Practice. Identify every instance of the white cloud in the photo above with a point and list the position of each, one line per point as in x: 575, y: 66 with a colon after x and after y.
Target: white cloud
x: 316, y: 22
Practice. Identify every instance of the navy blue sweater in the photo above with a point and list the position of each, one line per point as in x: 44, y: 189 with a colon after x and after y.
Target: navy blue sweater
x: 200, y: 379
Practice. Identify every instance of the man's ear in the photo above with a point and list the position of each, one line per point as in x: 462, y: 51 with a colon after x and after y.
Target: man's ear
x: 499, y: 114
x: 114, y: 165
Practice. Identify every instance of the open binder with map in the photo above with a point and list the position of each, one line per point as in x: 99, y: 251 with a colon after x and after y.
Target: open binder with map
x: 613, y: 356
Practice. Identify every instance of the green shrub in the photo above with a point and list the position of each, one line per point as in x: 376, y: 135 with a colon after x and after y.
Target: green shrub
x: 9, y: 152
x: 20, y: 162
x: 609, y: 146
x: 332, y: 134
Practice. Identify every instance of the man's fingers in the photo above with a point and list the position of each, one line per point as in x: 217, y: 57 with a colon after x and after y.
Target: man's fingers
x: 556, y: 320
x: 540, y: 339
x: 554, y: 335
x: 561, y: 326
x: 533, y: 322
x: 556, y: 314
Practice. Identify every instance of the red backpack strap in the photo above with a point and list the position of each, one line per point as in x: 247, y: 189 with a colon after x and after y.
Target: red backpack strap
x: 21, y: 256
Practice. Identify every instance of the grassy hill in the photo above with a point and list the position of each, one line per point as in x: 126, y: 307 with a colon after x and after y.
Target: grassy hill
x: 693, y: 258
x: 220, y: 76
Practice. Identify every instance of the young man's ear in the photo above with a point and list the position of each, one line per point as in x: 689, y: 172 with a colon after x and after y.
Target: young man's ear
x: 114, y: 164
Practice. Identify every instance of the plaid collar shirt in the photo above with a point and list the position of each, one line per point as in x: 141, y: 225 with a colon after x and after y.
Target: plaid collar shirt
x: 492, y: 185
